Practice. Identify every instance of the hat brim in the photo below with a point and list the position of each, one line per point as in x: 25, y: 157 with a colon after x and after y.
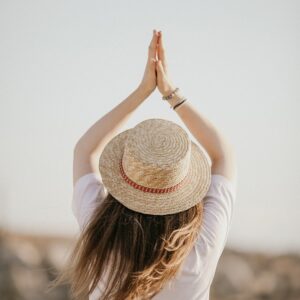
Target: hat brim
x: 199, y: 179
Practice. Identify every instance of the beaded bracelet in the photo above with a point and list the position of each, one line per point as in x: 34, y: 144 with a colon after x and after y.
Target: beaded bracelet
x: 170, y: 96
x: 175, y: 106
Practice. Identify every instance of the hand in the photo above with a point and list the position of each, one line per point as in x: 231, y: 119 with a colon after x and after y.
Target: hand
x: 164, y: 83
x: 148, y: 83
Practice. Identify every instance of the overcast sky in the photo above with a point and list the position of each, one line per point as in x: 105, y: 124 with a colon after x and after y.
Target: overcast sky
x: 64, y: 64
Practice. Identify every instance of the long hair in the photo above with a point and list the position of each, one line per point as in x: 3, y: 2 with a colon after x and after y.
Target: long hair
x: 137, y: 253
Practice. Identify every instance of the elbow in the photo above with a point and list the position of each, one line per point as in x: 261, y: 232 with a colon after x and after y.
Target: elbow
x: 225, y: 164
x: 225, y: 151
x: 79, y: 147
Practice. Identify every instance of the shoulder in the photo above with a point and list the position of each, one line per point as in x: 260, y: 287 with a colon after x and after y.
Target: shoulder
x: 222, y: 186
x: 88, y: 192
x: 217, y: 214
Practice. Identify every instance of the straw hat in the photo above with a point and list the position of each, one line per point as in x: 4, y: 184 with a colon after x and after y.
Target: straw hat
x: 154, y: 168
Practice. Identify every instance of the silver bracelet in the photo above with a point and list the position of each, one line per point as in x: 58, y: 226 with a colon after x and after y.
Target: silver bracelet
x: 170, y: 96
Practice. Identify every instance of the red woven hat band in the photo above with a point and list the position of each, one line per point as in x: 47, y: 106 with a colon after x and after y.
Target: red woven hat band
x: 149, y: 189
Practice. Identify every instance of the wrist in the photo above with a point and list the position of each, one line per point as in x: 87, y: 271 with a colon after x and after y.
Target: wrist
x: 177, y: 97
x: 143, y: 91
x: 168, y: 90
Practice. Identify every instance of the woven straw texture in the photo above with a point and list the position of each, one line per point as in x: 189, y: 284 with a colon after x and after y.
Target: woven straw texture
x: 154, y: 168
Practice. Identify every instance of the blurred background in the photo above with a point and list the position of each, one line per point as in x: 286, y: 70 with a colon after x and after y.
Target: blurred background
x: 64, y: 64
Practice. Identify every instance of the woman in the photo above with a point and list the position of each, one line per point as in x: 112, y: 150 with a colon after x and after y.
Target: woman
x: 154, y: 213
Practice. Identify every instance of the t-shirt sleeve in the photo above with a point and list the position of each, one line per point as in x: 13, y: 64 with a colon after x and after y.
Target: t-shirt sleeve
x: 87, y: 194
x: 217, y: 215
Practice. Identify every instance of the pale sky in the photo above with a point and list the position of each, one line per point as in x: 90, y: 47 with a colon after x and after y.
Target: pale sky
x: 64, y: 64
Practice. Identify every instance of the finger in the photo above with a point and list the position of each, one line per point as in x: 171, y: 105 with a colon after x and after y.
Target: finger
x: 153, y: 45
x: 152, y: 63
x: 161, y: 53
x: 159, y: 67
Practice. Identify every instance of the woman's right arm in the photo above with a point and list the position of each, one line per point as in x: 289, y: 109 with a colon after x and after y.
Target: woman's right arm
x: 212, y: 139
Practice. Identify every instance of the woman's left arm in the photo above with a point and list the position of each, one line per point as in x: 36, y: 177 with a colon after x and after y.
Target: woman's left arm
x: 91, y: 144
x: 89, y: 147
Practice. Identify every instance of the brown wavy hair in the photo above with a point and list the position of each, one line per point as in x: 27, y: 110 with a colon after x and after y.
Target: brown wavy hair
x: 138, y: 253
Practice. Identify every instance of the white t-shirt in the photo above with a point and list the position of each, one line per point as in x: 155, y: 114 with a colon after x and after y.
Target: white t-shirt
x: 198, y: 269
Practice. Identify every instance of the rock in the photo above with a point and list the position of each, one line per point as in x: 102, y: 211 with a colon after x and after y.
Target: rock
x: 24, y: 271
x: 264, y: 283
x: 57, y: 254
x: 28, y: 281
x: 287, y: 266
x: 26, y: 252
x: 26, y: 264
x: 237, y: 271
x: 270, y: 277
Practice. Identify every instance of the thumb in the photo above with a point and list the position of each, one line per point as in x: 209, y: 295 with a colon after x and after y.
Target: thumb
x: 152, y: 62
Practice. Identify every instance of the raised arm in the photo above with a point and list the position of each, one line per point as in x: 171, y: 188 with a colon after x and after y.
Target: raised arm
x: 212, y: 139
x: 89, y: 147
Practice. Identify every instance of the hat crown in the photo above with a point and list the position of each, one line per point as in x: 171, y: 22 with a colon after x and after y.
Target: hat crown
x: 157, y: 154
